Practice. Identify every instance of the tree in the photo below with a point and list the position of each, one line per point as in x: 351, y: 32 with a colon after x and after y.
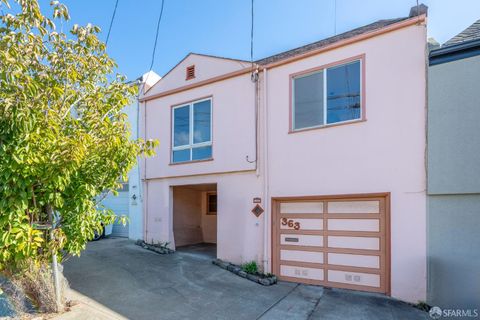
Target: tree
x: 64, y: 139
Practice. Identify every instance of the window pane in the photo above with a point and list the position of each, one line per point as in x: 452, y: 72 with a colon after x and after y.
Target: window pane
x: 202, y: 153
x: 212, y: 203
x: 343, y: 87
x: 181, y: 120
x: 201, y: 121
x: 181, y: 155
x: 308, y: 101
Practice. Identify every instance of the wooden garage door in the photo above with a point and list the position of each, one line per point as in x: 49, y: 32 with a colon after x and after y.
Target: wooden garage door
x: 340, y: 241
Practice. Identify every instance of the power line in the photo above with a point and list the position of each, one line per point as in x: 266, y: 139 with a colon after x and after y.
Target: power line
x: 251, y: 38
x: 111, y: 22
x: 156, y: 36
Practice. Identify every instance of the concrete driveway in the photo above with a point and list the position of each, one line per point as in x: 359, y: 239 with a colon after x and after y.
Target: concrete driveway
x: 138, y: 284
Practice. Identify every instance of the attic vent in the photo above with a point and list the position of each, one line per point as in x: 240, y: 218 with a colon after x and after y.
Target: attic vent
x: 190, y: 73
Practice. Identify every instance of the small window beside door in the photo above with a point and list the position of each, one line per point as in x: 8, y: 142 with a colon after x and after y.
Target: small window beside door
x: 327, y: 96
x: 211, y: 203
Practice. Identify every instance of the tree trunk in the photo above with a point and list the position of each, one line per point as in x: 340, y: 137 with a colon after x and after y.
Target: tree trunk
x: 56, y: 278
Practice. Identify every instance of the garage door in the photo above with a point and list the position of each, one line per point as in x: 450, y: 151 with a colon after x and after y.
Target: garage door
x: 119, y: 205
x: 337, y: 241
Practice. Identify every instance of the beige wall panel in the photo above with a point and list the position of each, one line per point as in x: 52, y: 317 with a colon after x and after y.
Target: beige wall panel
x: 301, y: 240
x: 301, y: 272
x: 302, y: 256
x: 355, y: 278
x: 301, y: 207
x: 354, y: 260
x: 354, y: 207
x: 372, y: 225
x: 367, y: 243
x: 305, y: 224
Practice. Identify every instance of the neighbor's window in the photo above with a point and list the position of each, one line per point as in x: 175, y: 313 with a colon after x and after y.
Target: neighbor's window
x: 192, y: 131
x: 327, y: 96
x: 211, y: 203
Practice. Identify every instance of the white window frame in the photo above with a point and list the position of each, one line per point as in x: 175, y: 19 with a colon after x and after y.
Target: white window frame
x: 191, y: 145
x: 325, y: 96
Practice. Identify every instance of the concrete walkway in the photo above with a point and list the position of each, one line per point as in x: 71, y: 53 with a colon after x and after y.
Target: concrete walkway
x: 115, y: 279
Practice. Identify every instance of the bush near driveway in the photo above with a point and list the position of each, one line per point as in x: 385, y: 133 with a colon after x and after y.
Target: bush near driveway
x: 64, y: 139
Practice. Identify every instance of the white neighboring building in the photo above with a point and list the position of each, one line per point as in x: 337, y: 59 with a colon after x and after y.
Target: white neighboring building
x: 129, y: 201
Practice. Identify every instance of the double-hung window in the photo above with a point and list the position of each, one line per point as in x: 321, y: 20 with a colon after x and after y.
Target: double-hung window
x: 327, y: 96
x: 192, y: 131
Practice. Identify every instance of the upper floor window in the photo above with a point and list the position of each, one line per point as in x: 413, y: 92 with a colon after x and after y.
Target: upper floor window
x: 192, y: 131
x: 327, y: 96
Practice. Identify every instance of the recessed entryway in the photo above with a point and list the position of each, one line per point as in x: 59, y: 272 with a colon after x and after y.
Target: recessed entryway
x: 340, y: 241
x: 194, y: 214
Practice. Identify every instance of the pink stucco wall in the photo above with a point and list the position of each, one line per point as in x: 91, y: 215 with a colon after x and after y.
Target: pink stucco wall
x: 233, y: 128
x: 385, y: 153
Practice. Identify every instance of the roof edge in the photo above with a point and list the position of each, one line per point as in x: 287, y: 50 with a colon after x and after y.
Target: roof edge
x: 390, y: 28
x: 453, y: 52
x: 364, y: 36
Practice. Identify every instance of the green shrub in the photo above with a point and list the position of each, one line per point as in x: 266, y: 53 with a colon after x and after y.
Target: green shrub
x: 250, y: 267
x: 64, y: 137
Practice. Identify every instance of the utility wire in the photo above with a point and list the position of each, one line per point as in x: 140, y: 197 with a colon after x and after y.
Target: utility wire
x: 251, y: 39
x: 156, y: 36
x: 111, y: 22
x: 145, y: 81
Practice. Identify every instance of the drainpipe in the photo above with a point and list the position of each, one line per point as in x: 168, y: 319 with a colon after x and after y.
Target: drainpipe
x: 255, y: 79
x: 265, y: 170
x: 145, y: 184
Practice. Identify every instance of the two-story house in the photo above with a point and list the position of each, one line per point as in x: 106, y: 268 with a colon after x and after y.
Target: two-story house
x: 310, y: 162
x: 454, y: 172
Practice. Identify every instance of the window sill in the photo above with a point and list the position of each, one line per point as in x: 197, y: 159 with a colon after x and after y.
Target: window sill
x: 327, y: 126
x: 190, y: 162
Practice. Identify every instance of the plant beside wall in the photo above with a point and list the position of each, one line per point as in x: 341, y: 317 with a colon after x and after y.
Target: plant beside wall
x: 64, y: 140
x: 249, y: 271
x: 250, y: 267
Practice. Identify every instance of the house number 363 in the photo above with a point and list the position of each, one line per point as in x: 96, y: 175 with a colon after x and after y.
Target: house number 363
x: 290, y: 223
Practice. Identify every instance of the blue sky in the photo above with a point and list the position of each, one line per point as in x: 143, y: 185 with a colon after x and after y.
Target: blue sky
x: 222, y: 28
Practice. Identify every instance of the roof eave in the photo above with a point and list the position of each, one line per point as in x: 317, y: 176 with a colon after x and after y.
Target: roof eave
x: 402, y: 24
x: 393, y: 27
x: 455, y: 52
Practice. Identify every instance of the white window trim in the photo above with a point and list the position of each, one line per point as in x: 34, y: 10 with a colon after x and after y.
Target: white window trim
x: 324, y: 70
x: 191, y: 145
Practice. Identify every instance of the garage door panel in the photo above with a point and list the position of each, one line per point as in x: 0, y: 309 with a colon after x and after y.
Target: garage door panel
x: 354, y: 278
x: 302, y: 272
x: 303, y: 224
x: 354, y: 260
x: 371, y: 225
x: 339, y: 242
x: 301, y: 256
x: 367, y: 243
x: 372, y: 206
x: 301, y: 240
x: 301, y: 207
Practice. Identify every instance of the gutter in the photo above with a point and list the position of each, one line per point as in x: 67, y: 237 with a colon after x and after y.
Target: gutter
x: 455, y: 52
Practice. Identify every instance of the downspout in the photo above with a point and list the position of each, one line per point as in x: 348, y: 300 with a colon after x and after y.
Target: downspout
x: 145, y: 184
x: 257, y: 122
x: 265, y: 170
x: 255, y: 79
